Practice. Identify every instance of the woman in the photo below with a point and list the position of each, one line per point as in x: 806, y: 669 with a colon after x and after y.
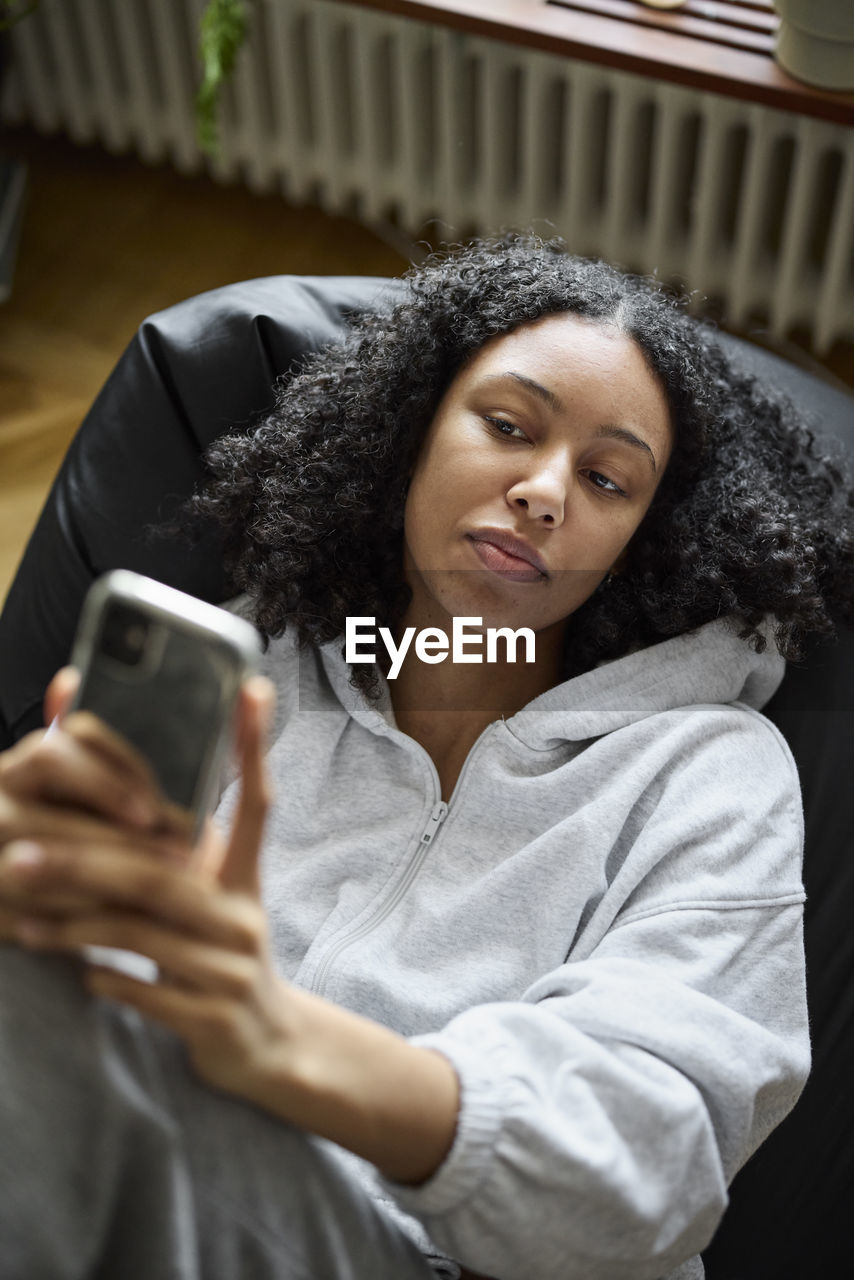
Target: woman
x: 527, y: 986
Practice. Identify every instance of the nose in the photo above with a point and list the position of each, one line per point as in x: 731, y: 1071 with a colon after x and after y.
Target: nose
x: 542, y: 494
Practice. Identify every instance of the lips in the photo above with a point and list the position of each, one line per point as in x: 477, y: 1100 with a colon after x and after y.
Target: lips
x: 508, y: 555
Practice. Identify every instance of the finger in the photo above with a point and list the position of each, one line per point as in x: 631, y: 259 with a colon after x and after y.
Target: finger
x: 176, y: 1009
x: 55, y: 906
x: 181, y: 960
x: 22, y: 819
x: 131, y: 879
x: 97, y: 736
x: 20, y: 895
x: 204, y: 1022
x: 58, y: 768
x: 59, y: 693
x: 240, y: 866
x: 22, y: 892
x: 209, y: 851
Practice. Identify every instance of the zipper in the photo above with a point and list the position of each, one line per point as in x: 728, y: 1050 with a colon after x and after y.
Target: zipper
x: 466, y: 762
x: 437, y: 816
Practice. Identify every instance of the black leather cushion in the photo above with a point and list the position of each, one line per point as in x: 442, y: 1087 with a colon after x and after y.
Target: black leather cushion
x: 207, y: 366
x: 192, y: 372
x: 791, y: 1213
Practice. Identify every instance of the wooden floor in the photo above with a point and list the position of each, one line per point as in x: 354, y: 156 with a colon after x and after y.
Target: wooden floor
x: 106, y: 241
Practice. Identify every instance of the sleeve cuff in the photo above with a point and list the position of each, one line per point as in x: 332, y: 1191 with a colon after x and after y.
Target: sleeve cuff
x: 482, y: 1105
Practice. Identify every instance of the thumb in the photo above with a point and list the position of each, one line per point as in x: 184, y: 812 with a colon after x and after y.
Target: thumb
x: 59, y: 693
x: 240, y: 865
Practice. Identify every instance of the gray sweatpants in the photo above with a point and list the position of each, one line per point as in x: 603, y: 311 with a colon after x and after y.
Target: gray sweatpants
x: 116, y: 1162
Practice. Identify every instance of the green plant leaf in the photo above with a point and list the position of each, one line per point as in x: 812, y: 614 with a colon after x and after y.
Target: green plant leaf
x: 222, y: 31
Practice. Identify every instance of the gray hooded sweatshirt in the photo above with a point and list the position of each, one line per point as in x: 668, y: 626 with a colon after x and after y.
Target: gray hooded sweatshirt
x: 601, y: 930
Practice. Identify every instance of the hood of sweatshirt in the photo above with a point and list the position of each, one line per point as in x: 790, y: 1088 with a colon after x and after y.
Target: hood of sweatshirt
x: 709, y: 665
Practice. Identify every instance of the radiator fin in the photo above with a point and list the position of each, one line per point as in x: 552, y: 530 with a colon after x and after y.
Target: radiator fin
x: 392, y: 119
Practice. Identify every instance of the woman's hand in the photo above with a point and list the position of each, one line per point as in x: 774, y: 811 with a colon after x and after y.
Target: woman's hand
x: 81, y: 784
x: 203, y: 926
x: 247, y: 1031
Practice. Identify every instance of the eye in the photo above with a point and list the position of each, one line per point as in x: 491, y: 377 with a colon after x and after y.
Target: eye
x: 501, y: 427
x: 609, y: 486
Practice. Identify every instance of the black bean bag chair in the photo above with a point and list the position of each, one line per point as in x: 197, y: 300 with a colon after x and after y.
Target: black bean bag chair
x: 207, y: 366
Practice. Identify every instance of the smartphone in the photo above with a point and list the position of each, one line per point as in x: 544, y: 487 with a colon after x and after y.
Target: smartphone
x: 163, y: 670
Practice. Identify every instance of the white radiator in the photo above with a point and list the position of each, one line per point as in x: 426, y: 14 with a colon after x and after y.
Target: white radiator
x: 399, y: 121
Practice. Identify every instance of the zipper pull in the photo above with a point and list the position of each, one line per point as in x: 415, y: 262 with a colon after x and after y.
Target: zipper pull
x: 434, y: 822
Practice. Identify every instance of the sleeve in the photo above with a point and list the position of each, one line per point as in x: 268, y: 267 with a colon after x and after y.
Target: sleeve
x: 605, y: 1112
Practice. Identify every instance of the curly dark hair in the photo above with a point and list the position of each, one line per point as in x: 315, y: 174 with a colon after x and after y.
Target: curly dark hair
x: 751, y: 518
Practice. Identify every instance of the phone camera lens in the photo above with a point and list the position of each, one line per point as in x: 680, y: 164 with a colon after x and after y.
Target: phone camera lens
x: 135, y: 637
x: 125, y: 635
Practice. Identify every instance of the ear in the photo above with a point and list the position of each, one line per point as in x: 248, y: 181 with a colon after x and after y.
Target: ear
x: 59, y: 693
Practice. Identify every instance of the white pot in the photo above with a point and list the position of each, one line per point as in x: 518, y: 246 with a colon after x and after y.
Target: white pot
x: 815, y: 41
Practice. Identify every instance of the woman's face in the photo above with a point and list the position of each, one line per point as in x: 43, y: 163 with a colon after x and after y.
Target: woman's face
x: 540, y: 463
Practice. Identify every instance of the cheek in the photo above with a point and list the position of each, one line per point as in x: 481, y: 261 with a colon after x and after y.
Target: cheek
x: 420, y: 527
x: 445, y: 482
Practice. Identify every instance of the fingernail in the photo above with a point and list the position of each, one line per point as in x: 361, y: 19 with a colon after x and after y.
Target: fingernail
x: 24, y: 854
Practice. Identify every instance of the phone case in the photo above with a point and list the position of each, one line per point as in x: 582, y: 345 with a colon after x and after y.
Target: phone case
x: 163, y: 670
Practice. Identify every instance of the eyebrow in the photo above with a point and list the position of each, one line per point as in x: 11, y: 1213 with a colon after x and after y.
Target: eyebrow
x: 608, y: 431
